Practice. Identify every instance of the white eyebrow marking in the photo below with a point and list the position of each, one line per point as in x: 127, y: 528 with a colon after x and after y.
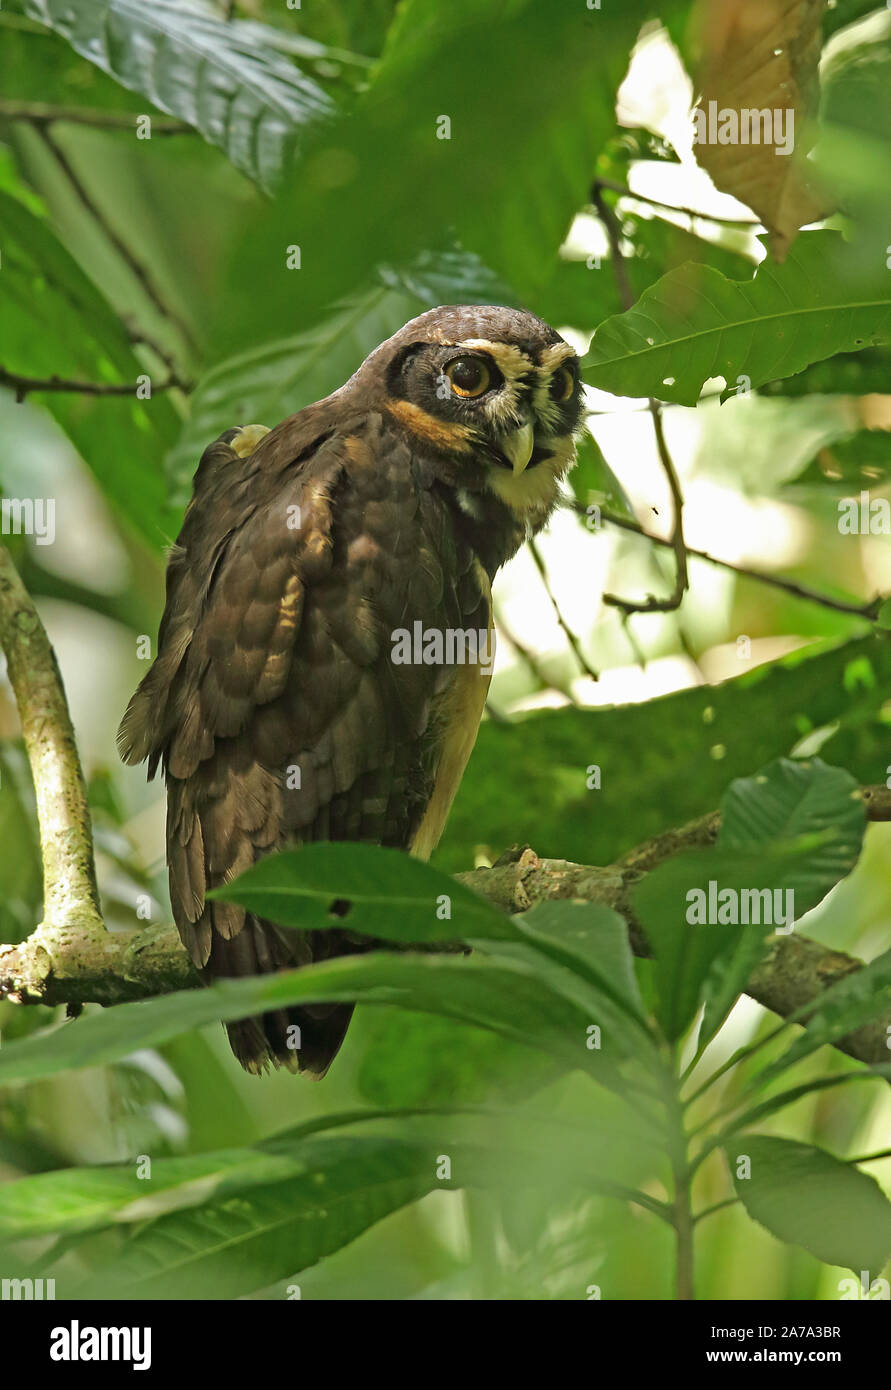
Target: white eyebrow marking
x: 511, y: 361
x: 552, y: 359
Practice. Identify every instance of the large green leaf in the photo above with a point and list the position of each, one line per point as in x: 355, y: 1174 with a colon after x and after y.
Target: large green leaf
x: 86, y: 1199
x: 347, y: 1172
x: 583, y: 292
x: 828, y: 296
x: 232, y: 1247
x: 785, y: 801
x: 807, y: 1196
x: 364, y: 888
x: 788, y: 800
x: 579, y: 949
x: 486, y: 1144
x: 56, y: 322
x: 686, y: 947
x: 517, y: 165
x: 508, y: 998
x: 223, y: 78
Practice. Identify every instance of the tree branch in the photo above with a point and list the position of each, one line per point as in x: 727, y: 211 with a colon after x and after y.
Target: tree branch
x: 40, y: 113
x: 625, y: 192
x: 72, y: 959
x: 137, y: 269
x: 571, y: 637
x: 24, y: 385
x: 868, y: 610
x: 651, y: 604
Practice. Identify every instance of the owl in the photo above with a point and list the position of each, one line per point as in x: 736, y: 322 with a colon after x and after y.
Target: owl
x: 325, y: 651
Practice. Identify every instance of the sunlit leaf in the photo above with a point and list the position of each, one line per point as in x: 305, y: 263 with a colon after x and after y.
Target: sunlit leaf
x: 692, y: 325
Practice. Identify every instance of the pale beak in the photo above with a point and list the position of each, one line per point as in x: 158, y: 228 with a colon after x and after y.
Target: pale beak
x: 517, y: 447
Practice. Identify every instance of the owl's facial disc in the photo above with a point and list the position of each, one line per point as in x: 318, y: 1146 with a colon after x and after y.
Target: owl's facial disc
x: 502, y: 411
x: 518, y: 407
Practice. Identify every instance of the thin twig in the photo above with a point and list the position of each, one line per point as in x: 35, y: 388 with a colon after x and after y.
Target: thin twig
x: 571, y: 637
x: 136, y: 267
x: 626, y: 192
x: 651, y: 604
x: 24, y: 385
x: 140, y: 338
x: 718, y: 1206
x: 40, y: 113
x: 866, y: 610
x: 531, y: 661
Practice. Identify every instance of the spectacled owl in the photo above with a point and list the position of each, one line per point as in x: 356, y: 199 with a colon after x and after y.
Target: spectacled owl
x: 275, y: 705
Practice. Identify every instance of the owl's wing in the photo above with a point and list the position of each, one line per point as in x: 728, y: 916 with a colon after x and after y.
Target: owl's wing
x: 273, y: 703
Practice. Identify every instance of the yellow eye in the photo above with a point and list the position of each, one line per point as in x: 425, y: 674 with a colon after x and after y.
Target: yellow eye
x: 468, y: 376
x: 562, y: 385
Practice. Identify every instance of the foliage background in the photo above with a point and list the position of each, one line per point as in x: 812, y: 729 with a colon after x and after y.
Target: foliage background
x: 391, y: 221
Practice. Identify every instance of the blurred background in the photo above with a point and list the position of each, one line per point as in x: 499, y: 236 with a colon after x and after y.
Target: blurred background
x: 761, y: 476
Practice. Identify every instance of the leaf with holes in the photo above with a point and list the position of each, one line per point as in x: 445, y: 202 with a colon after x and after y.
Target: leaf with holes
x: 828, y: 296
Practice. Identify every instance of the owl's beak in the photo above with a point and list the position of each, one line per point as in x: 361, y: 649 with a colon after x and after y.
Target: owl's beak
x: 517, y: 447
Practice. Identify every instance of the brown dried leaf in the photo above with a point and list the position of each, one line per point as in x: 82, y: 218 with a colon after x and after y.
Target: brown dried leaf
x: 761, y: 56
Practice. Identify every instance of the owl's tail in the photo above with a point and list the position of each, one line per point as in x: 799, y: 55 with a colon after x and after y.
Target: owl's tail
x: 304, y: 1039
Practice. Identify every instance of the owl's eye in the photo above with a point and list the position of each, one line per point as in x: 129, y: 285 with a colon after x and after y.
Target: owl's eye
x: 468, y: 376
x: 562, y: 385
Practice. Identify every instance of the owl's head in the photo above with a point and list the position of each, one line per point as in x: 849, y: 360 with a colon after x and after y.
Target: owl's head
x: 495, y: 393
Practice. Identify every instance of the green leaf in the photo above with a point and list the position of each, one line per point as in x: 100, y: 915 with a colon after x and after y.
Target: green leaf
x: 670, y: 902
x: 859, y: 460
x: 87, y: 1199
x: 502, y: 996
x: 582, y: 293
x: 232, y: 1247
x: 590, y: 938
x: 883, y: 617
x: 462, y: 63
x: 693, y: 324
x: 367, y: 889
x: 806, y: 1196
x: 55, y: 321
x: 594, y: 482
x: 787, y: 801
x: 580, y: 949
x: 844, y: 12
x: 347, y: 1171
x: 778, y: 1102
x: 793, y: 829
x: 845, y: 374
x: 223, y: 78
